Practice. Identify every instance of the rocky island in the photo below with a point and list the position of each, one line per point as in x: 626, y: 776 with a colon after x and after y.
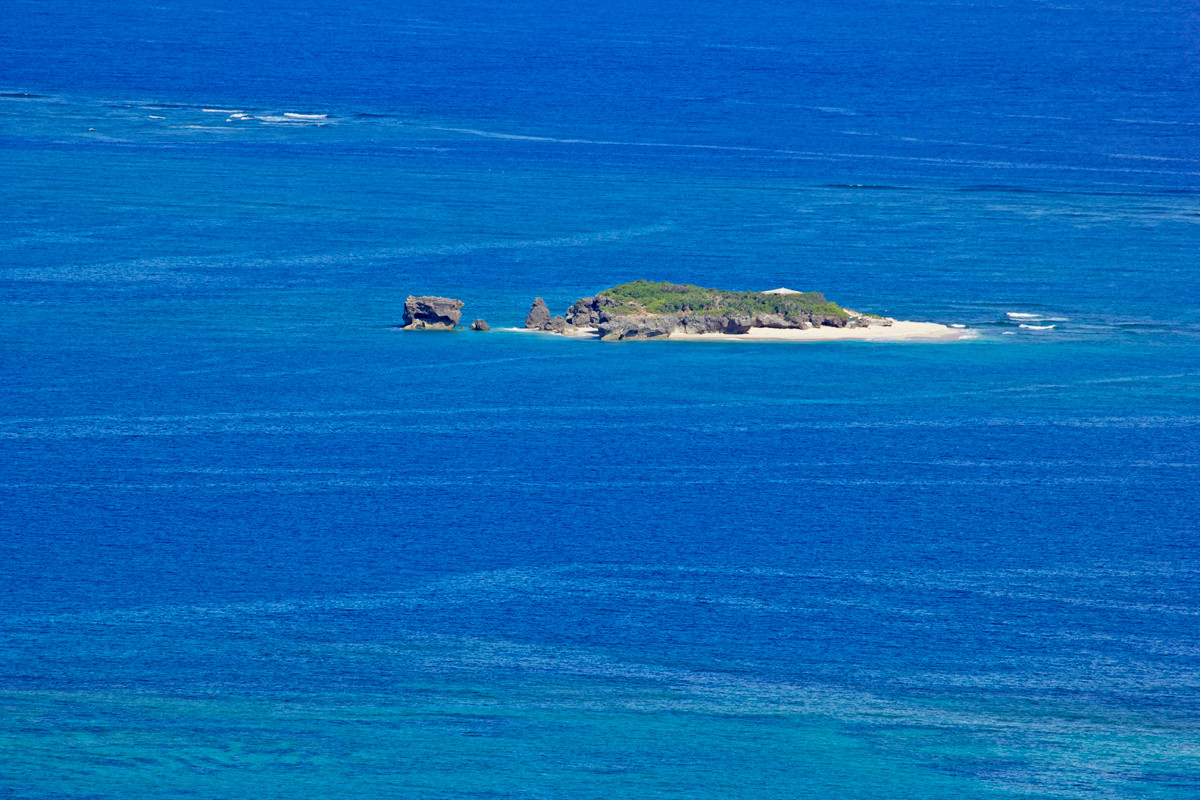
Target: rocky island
x: 431, y: 313
x: 659, y: 310
x: 650, y: 310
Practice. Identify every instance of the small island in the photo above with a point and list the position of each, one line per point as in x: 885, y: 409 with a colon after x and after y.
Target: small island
x: 659, y: 310
x: 683, y: 311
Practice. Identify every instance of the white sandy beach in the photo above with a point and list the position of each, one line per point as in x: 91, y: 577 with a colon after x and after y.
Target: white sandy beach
x: 897, y: 331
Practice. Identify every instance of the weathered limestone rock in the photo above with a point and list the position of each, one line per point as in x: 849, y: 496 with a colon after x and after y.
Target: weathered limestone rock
x: 858, y: 320
x: 619, y: 329
x: 582, y: 314
x: 557, y: 324
x: 480, y: 325
x: 738, y: 324
x: 771, y: 321
x: 702, y: 323
x: 431, y: 313
x: 539, y: 316
x: 585, y: 313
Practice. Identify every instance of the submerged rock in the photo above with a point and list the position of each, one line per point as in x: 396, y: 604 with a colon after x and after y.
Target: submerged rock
x: 431, y: 313
x: 539, y: 316
x: 480, y: 325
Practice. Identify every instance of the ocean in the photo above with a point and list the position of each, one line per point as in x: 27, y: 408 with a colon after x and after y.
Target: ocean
x: 255, y: 541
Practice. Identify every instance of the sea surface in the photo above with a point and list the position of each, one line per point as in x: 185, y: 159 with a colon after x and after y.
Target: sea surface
x: 255, y: 542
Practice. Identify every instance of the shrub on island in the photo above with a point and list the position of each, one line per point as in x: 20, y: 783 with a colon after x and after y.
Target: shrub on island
x: 649, y: 297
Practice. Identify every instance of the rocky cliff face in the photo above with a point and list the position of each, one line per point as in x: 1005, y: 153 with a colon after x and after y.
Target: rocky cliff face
x: 431, y: 313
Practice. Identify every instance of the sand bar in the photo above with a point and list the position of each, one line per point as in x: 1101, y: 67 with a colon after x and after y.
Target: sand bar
x: 898, y: 331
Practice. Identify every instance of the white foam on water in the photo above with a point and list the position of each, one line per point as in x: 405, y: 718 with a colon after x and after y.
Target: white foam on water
x: 1143, y: 157
x: 1037, y: 327
x: 1153, y: 121
x: 221, y: 110
x: 1019, y: 116
x: 719, y: 46
x: 154, y: 117
x: 305, y: 116
x: 278, y: 120
x: 805, y: 154
x: 1018, y: 315
x: 957, y: 325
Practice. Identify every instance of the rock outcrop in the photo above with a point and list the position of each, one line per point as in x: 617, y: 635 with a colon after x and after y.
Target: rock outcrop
x: 431, y: 313
x: 585, y: 313
x: 480, y: 325
x: 539, y: 316
x: 539, y: 319
x: 858, y: 320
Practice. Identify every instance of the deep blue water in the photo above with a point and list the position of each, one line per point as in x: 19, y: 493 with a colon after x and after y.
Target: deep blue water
x: 255, y: 541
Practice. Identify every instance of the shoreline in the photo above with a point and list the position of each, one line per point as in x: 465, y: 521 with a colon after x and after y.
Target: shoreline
x: 898, y: 331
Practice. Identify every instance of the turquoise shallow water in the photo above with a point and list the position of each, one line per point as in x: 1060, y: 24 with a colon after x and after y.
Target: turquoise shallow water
x: 256, y: 541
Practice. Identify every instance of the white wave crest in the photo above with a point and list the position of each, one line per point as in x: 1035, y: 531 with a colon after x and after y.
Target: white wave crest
x: 1037, y: 327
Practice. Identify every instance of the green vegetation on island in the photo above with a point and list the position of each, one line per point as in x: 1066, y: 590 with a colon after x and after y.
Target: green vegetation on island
x: 652, y: 297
